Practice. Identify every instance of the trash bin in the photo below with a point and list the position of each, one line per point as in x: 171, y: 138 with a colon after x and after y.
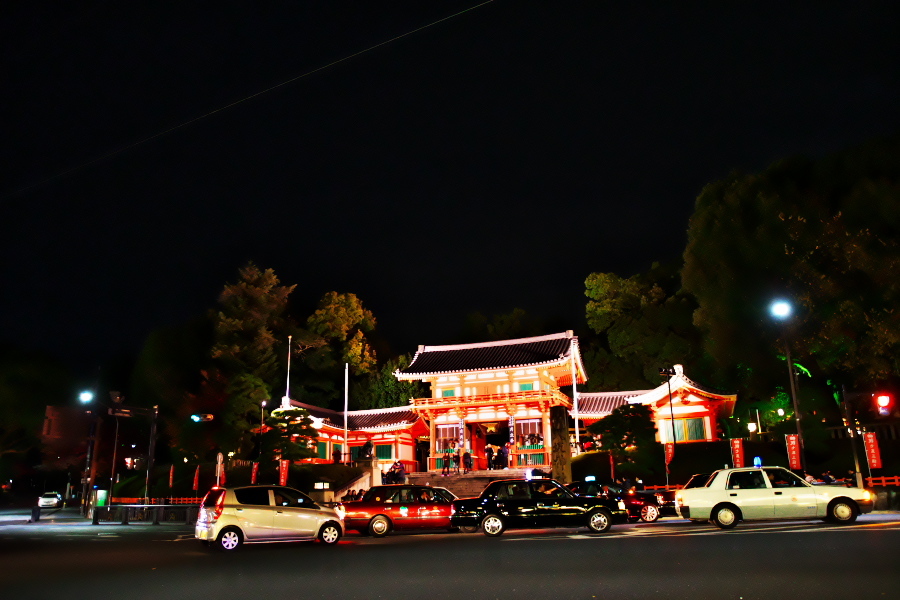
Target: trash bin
x: 35, y: 514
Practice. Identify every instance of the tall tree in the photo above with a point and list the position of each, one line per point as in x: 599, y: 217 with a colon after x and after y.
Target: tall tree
x: 826, y: 235
x: 641, y: 324
x: 383, y: 390
x: 341, y: 322
x: 250, y: 330
x: 28, y: 384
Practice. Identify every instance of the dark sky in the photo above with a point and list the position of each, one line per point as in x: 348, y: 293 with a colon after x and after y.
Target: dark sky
x: 487, y: 162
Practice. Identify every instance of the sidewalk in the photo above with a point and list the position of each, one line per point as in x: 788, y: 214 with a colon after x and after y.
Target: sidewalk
x: 10, y: 516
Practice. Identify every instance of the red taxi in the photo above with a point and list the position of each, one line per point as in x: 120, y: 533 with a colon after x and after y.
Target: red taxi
x: 387, y: 508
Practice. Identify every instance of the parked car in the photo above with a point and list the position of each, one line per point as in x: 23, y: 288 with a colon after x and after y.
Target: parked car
x: 50, y: 500
x: 520, y: 504
x: 666, y: 498
x: 641, y: 506
x: 230, y: 517
x: 386, y: 508
x: 755, y: 493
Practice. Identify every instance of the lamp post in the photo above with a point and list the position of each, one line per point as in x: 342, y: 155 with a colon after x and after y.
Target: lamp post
x: 669, y: 373
x: 781, y: 310
x: 262, y: 420
x: 86, y: 397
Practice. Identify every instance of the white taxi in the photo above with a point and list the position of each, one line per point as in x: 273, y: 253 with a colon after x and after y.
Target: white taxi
x: 230, y: 517
x: 760, y: 493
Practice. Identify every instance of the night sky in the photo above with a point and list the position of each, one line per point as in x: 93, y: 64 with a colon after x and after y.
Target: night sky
x: 486, y: 162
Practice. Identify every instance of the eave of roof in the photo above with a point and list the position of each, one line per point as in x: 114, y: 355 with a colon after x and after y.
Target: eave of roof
x: 541, y: 351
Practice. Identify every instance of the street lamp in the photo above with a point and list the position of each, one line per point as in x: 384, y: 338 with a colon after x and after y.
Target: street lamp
x: 781, y: 310
x: 86, y: 396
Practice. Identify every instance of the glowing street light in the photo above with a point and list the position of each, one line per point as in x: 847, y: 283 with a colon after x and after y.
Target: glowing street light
x: 85, y: 397
x: 781, y: 310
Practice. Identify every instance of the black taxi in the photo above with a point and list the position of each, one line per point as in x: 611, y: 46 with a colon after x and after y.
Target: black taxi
x: 536, y: 503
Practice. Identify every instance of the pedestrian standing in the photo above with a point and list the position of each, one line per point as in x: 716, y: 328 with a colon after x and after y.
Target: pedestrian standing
x: 489, y: 455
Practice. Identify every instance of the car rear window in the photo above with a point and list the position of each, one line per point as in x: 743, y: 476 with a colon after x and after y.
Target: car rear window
x: 212, y: 497
x: 254, y: 496
x: 699, y: 480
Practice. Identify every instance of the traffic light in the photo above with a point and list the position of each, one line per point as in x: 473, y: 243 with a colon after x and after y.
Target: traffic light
x: 884, y: 402
x: 203, y: 417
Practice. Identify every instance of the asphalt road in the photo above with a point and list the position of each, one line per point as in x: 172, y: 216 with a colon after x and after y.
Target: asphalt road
x: 65, y: 558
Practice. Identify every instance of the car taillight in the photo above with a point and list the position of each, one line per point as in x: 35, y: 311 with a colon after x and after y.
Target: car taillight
x: 452, y: 510
x: 217, y: 510
x: 660, y: 499
x: 678, y: 499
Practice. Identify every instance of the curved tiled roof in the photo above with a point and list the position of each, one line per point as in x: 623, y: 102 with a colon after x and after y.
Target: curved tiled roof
x: 378, y: 418
x: 524, y: 352
x: 603, y: 403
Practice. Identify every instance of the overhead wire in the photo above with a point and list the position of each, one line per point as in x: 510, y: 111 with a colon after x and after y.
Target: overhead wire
x: 183, y: 124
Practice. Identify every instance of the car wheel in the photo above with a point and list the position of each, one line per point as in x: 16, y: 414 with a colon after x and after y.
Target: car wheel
x: 599, y: 521
x: 379, y: 526
x: 842, y: 512
x: 229, y: 539
x: 330, y: 533
x: 725, y: 516
x: 469, y: 528
x: 492, y: 525
x: 649, y: 513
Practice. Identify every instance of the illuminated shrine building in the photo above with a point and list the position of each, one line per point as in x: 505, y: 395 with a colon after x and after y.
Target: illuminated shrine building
x: 494, y: 393
x: 506, y: 394
x: 696, y: 409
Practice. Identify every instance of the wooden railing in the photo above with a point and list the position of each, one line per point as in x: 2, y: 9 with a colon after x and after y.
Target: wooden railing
x: 883, y: 481
x: 553, y: 397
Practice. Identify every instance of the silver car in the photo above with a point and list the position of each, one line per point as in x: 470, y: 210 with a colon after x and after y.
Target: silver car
x: 230, y: 517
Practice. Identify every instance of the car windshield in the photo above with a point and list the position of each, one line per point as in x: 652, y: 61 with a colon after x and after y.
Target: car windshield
x: 48, y: 495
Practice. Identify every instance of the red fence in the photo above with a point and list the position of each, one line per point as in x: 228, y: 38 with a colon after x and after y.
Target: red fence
x: 883, y: 481
x: 155, y: 500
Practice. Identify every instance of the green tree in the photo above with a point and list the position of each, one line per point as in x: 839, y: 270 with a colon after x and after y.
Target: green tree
x: 826, y: 235
x: 28, y: 384
x: 383, y: 390
x: 250, y: 333
x: 290, y: 435
x: 341, y: 323
x: 628, y: 434
x: 641, y: 323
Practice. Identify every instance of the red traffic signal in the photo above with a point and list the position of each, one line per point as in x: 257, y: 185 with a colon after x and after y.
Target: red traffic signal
x: 884, y: 402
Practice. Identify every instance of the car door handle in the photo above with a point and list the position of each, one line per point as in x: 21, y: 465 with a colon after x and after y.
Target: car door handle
x: 278, y: 512
x: 239, y: 509
x: 777, y: 493
x: 732, y: 494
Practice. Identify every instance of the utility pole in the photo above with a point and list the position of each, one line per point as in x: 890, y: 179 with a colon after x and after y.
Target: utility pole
x: 150, y: 452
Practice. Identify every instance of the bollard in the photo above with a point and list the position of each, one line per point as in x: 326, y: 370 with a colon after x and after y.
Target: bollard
x: 157, y: 514
x: 95, y: 518
x: 35, y: 514
x: 124, y: 515
x: 187, y: 515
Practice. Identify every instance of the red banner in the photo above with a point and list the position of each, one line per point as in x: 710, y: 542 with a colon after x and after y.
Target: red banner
x: 793, y: 450
x: 670, y: 452
x: 254, y: 472
x: 222, y: 479
x: 737, y: 452
x: 873, y: 453
x: 283, y: 472
x: 197, y: 478
x: 171, y: 476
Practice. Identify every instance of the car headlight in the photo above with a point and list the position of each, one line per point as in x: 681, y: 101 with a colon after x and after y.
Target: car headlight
x: 866, y: 495
x: 341, y: 511
x: 621, y: 505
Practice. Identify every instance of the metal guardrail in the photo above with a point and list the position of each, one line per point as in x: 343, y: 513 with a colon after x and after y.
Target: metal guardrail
x: 155, y: 514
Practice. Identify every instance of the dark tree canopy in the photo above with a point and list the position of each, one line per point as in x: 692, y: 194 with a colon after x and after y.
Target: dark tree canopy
x: 825, y: 235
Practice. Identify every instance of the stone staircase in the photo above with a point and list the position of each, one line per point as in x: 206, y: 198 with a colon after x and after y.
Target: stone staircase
x: 464, y: 486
